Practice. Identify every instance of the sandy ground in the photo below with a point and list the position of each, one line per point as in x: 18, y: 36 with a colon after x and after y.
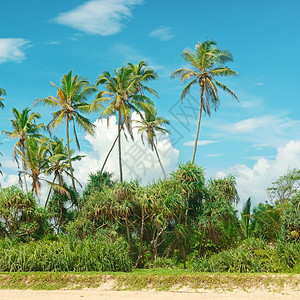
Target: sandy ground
x: 92, y: 294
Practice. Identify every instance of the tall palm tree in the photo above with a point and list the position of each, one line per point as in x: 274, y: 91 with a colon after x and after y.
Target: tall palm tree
x: 71, y: 100
x: 24, y: 126
x: 122, y: 91
x: 58, y: 163
x: 149, y: 125
x: 207, y: 63
x: 2, y: 93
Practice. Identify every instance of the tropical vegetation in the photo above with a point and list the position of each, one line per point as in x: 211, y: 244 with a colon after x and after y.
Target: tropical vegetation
x: 184, y: 220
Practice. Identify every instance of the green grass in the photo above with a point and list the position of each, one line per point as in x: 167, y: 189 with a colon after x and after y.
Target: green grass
x: 158, y: 279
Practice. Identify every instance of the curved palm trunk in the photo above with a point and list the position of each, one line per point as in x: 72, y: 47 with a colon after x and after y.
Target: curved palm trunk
x: 198, y: 125
x: 49, y: 193
x: 119, y: 144
x: 23, y: 167
x: 160, y: 161
x: 25, y: 182
x: 69, y: 156
x: 109, y: 152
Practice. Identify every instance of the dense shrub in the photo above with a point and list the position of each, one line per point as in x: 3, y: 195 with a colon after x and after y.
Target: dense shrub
x: 20, y: 216
x: 253, y: 256
x: 65, y: 254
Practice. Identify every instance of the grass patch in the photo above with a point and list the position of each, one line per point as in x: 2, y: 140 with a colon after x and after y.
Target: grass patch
x: 158, y: 279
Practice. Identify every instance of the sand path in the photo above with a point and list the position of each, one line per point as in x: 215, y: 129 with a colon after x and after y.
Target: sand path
x: 93, y: 294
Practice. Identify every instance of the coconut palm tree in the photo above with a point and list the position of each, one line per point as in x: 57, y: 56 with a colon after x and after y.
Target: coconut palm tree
x: 37, y: 162
x: 150, y: 125
x: 207, y: 63
x: 123, y: 93
x: 24, y: 126
x: 2, y: 93
x: 71, y: 100
x: 58, y: 163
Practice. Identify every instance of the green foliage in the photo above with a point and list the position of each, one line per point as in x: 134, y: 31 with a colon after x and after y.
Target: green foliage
x: 65, y: 254
x: 245, y: 217
x: 265, y: 222
x: 285, y: 187
x: 224, y: 189
x: 253, y: 255
x: 20, y: 217
x: 96, y: 183
x: 61, y: 208
x: 291, y: 218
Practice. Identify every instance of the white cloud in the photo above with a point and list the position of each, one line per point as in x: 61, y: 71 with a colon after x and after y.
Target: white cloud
x: 162, y: 33
x: 253, y: 181
x: 214, y: 155
x: 99, y: 16
x: 138, y: 159
x: 199, y: 143
x: 247, y: 125
x: 53, y: 43
x: 268, y: 130
x: 132, y: 55
x: 8, y: 180
x: 11, y: 49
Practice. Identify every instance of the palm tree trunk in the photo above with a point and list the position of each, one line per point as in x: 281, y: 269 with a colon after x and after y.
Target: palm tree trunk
x: 49, y: 193
x: 69, y: 156
x: 198, y: 125
x: 159, y: 161
x: 109, y: 152
x: 119, y: 144
x: 23, y: 167
x: 25, y: 182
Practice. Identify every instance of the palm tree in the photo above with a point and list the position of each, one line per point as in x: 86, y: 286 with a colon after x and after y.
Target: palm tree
x: 122, y: 90
x: 35, y: 160
x: 24, y: 126
x: 149, y: 125
x: 245, y: 217
x: 71, y: 99
x: 208, y: 63
x: 2, y: 93
x: 58, y: 162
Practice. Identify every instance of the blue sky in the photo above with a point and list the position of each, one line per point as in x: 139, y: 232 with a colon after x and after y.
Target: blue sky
x: 257, y: 139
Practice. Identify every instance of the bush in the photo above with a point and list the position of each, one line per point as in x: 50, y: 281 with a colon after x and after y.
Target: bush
x: 253, y: 256
x: 20, y: 216
x: 65, y: 254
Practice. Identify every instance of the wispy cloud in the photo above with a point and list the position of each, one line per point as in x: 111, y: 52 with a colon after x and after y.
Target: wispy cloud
x: 199, y: 143
x: 275, y: 123
x: 259, y: 83
x: 265, y: 131
x: 132, y: 55
x: 214, y: 155
x: 162, y: 33
x: 53, y: 43
x: 11, y: 49
x: 100, y: 17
